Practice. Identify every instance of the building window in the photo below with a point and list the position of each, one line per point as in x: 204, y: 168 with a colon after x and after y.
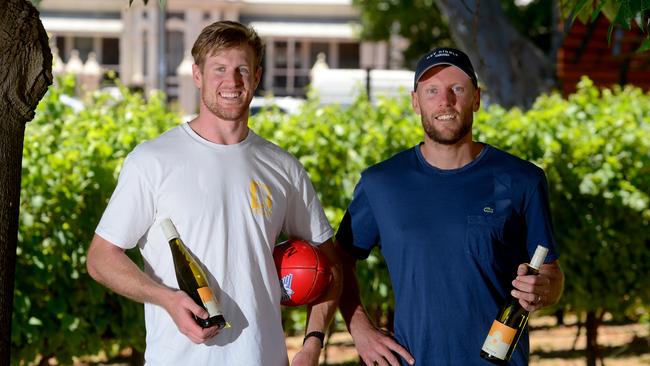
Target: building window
x: 291, y: 61
x: 179, y: 15
x: 349, y: 55
x: 145, y: 54
x: 174, y: 52
x: 60, y: 47
x: 110, y: 51
x: 280, y: 60
x: 84, y: 45
x: 301, y: 83
x: 316, y: 48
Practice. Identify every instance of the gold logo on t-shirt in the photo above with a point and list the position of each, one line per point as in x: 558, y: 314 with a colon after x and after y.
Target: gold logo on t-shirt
x: 261, y: 202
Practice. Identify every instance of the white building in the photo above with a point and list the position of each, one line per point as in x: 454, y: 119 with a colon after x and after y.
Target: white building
x: 125, y: 38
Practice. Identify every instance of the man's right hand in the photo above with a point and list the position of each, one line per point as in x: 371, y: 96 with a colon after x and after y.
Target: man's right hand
x: 109, y: 265
x: 182, y: 309
x: 376, y: 347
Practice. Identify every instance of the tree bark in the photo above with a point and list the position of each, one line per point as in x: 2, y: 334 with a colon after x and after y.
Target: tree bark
x: 25, y: 74
x: 511, y: 70
x: 591, y: 325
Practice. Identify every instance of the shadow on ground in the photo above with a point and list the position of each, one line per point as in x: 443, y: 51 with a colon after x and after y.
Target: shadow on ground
x: 637, y: 347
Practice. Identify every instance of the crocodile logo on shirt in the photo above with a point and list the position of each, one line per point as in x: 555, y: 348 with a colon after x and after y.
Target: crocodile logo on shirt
x: 260, y: 198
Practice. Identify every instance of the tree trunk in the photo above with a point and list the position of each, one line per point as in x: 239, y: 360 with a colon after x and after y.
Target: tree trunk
x: 137, y: 357
x: 511, y: 70
x: 559, y: 317
x: 25, y: 74
x: 591, y: 325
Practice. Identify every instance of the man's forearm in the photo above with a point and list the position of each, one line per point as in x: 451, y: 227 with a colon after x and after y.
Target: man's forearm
x: 350, y: 304
x: 110, y: 266
x: 321, y: 313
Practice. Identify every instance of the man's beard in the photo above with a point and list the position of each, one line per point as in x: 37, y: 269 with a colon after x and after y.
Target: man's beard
x: 227, y: 114
x: 446, y: 136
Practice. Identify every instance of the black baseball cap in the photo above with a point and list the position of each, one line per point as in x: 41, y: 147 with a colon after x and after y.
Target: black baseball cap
x: 445, y: 56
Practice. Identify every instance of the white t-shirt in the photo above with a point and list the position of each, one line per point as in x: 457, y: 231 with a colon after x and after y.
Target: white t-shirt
x: 229, y: 204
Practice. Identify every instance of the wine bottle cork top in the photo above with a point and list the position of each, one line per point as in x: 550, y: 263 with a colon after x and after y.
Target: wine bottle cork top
x: 169, y: 229
x: 538, y: 257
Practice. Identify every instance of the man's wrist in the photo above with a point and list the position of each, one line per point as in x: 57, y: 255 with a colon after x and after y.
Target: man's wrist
x: 315, y: 334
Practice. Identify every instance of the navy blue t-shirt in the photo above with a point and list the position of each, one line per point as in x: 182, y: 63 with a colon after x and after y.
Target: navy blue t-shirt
x: 452, y: 240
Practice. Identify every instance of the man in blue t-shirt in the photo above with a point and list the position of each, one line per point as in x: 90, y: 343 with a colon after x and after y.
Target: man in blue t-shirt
x: 456, y: 221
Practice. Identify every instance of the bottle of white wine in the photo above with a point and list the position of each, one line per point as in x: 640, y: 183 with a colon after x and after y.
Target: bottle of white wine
x: 511, y: 321
x: 192, y: 279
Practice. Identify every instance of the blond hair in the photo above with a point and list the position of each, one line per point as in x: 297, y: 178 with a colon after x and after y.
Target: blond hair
x: 223, y: 35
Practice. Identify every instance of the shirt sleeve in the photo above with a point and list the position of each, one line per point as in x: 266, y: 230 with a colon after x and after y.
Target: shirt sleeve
x: 130, y: 211
x: 358, y: 232
x: 538, y: 220
x: 305, y: 217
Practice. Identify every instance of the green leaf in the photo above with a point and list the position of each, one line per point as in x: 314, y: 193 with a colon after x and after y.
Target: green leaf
x: 625, y: 15
x: 597, y: 10
x: 610, y: 30
x: 576, y: 9
x: 645, y: 46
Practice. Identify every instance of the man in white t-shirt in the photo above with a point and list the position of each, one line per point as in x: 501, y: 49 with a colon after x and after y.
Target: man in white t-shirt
x: 230, y: 194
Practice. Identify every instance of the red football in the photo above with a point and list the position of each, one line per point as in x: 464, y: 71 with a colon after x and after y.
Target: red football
x: 303, y: 270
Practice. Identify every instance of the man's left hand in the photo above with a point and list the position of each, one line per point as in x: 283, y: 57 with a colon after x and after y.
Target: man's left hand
x: 537, y: 291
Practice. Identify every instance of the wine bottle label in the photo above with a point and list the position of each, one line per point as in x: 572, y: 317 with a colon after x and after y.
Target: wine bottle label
x: 499, y: 340
x: 208, y: 301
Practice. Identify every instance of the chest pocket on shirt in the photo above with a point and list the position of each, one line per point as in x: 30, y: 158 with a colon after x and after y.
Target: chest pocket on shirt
x: 485, y: 236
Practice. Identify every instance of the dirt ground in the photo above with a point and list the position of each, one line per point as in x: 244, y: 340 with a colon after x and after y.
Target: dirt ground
x: 551, y: 345
x: 622, y: 345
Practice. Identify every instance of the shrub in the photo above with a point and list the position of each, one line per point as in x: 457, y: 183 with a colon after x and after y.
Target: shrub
x: 71, y: 160
x: 594, y: 147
